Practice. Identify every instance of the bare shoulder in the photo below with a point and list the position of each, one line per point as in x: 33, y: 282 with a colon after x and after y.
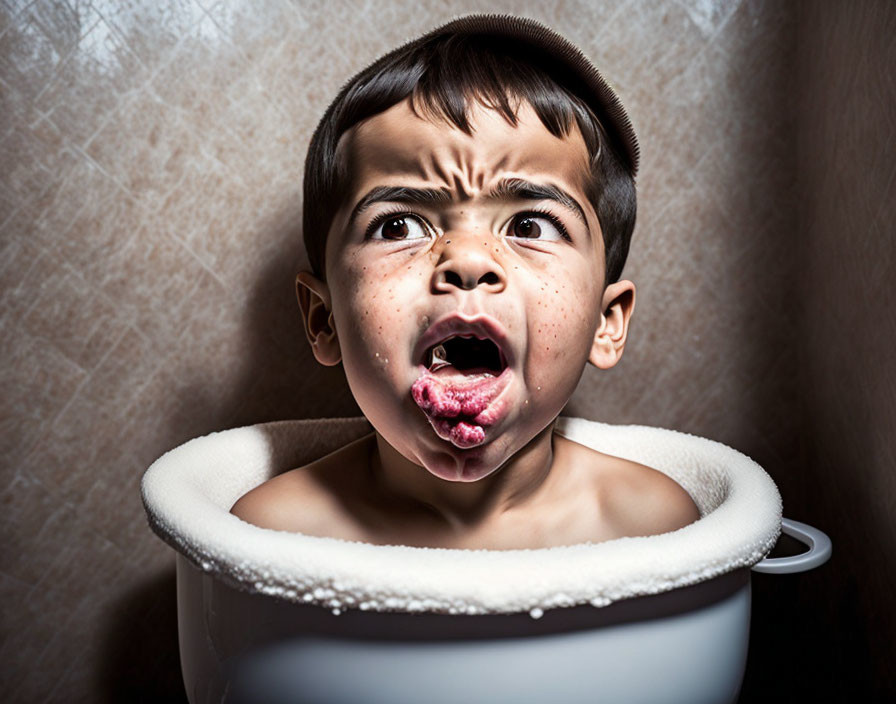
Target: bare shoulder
x: 637, y: 500
x: 644, y: 501
x: 281, y: 503
x: 304, y: 500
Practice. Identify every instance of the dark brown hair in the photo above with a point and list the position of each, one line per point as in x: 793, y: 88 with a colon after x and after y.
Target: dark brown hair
x: 442, y: 76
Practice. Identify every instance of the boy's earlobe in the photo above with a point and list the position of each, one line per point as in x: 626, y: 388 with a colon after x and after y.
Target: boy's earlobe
x: 317, y: 315
x: 609, y: 340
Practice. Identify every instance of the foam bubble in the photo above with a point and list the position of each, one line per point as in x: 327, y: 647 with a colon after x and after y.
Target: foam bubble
x: 188, y: 494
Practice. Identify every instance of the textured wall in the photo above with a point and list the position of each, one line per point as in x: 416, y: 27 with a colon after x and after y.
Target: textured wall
x: 843, y: 635
x: 150, y: 196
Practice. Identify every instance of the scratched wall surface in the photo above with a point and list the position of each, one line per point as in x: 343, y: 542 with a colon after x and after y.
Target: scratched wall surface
x: 150, y: 208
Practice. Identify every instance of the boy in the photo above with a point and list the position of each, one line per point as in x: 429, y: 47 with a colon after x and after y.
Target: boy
x: 469, y: 199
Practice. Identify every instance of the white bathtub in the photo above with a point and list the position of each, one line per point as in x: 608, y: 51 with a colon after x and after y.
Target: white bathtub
x: 267, y: 616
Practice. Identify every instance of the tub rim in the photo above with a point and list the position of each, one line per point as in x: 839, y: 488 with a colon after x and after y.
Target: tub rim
x: 187, y: 494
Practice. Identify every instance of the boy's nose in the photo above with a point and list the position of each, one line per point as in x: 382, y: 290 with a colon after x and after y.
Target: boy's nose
x: 466, y: 262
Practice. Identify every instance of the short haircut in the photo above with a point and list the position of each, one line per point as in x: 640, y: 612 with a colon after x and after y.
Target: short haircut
x: 442, y: 76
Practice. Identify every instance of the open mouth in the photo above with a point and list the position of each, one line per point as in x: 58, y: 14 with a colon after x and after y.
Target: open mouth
x: 467, y: 354
x: 466, y: 364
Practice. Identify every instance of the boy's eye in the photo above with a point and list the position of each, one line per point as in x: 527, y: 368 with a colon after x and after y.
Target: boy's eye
x: 397, y: 227
x: 531, y: 226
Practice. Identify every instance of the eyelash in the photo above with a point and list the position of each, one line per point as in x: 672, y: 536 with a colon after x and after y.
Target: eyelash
x: 382, y: 217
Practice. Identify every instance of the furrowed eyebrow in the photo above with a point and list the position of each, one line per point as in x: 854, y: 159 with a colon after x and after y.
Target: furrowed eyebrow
x: 526, y: 190
x: 506, y: 188
x: 399, y: 194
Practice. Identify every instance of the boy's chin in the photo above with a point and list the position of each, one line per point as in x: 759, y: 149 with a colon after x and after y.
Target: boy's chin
x: 465, y: 466
x: 444, y: 459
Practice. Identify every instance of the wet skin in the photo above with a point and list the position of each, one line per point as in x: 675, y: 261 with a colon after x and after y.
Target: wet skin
x: 476, y: 256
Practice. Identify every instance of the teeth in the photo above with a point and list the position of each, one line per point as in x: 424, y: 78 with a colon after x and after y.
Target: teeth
x: 438, y: 358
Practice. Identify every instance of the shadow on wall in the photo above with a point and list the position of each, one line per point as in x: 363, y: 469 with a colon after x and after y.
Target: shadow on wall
x: 829, y: 635
x: 278, y: 379
x: 140, y: 660
x: 281, y: 379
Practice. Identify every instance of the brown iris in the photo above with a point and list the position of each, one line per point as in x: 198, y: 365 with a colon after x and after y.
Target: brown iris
x: 395, y: 229
x: 526, y: 227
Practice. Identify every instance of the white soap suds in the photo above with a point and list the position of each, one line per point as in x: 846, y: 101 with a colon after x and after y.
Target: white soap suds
x: 189, y: 491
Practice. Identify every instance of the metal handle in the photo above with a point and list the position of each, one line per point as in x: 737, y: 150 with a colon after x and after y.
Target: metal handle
x: 819, y: 550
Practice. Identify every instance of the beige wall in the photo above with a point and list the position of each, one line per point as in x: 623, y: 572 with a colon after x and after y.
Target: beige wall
x: 150, y: 201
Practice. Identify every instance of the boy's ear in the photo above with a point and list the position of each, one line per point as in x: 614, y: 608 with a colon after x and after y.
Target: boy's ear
x: 317, y: 314
x: 609, y: 340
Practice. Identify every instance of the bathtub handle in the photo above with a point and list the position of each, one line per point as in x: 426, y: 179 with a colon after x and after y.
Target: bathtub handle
x: 819, y: 550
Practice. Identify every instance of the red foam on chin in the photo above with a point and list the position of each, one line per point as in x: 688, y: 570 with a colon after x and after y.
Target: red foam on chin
x: 461, y: 434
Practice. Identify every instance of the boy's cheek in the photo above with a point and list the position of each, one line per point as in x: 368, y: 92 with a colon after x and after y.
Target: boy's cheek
x: 347, y: 264
x: 378, y: 320
x: 561, y: 326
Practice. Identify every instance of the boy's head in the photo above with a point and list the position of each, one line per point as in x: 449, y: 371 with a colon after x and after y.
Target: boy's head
x: 499, y: 60
x: 467, y: 217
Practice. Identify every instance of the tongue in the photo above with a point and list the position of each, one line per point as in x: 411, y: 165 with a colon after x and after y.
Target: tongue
x: 446, y: 398
x: 457, y: 406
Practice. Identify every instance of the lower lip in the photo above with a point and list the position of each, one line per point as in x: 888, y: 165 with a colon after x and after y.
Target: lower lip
x: 461, y: 411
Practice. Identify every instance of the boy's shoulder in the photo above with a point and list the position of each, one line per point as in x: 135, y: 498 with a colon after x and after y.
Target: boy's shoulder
x: 604, y: 497
x: 633, y: 499
x: 310, y: 499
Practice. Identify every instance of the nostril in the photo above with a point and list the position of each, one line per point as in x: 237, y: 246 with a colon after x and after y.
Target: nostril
x: 453, y: 278
x: 466, y: 276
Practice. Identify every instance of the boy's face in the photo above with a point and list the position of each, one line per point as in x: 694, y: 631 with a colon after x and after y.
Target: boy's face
x: 465, y: 261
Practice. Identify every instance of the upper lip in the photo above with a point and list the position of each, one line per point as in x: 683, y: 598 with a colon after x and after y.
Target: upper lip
x: 482, y: 326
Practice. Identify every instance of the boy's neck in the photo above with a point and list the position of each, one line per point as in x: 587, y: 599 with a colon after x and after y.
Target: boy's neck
x: 464, y: 505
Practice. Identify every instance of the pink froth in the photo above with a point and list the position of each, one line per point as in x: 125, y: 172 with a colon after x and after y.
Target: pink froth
x: 459, y: 409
